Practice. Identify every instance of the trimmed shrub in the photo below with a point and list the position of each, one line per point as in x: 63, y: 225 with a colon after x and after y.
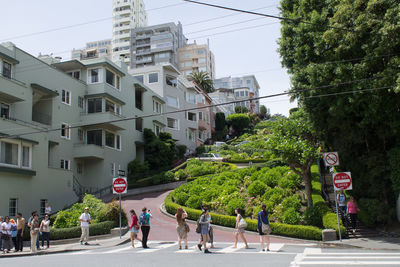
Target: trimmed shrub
x: 257, y: 188
x: 194, y: 202
x: 329, y: 221
x: 291, y: 216
x: 234, y: 204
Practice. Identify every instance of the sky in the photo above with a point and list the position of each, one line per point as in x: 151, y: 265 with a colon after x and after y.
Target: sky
x: 243, y: 44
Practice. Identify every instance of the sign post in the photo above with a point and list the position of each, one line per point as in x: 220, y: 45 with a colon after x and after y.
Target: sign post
x: 120, y: 186
x: 331, y: 159
x: 341, y: 181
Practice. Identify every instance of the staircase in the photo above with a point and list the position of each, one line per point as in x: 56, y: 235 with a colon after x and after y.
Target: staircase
x: 328, y: 193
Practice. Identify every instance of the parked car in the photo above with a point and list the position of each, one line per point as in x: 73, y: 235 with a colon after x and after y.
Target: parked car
x: 210, y: 157
x: 218, y: 143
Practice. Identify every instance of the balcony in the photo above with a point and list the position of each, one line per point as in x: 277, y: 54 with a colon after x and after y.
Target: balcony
x: 102, y: 119
x: 86, y: 151
x: 11, y: 90
x: 144, y: 60
x: 142, y: 36
x: 143, y: 52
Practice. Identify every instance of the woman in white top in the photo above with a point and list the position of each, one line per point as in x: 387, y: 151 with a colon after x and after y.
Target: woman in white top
x: 47, y: 209
x: 6, y: 234
x: 45, y: 229
x: 238, y: 230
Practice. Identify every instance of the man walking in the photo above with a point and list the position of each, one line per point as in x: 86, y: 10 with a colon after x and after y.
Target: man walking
x: 20, y: 232
x: 85, y: 220
x: 144, y: 221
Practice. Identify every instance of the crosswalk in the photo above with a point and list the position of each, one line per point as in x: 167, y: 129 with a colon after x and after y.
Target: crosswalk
x: 318, y: 257
x: 172, y: 247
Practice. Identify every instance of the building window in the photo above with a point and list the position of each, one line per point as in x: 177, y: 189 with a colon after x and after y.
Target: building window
x: 157, y: 107
x: 202, y: 60
x: 7, y: 68
x: 113, y: 79
x: 140, y: 78
x: 139, y: 124
x: 113, y: 140
x: 95, y: 105
x: 241, y: 93
x: 172, y: 123
x: 66, y: 97
x: 201, y: 115
x: 172, y: 102
x: 26, y: 156
x: 157, y: 129
x: 80, y: 134
x: 9, y: 153
x: 43, y: 206
x: 153, y: 77
x: 112, y: 107
x: 81, y: 102
x: 5, y: 110
x: 191, y: 98
x: 192, y: 116
x: 247, y: 93
x: 139, y: 99
x: 65, y: 131
x: 94, y: 75
x: 65, y: 164
x: 79, y: 168
x: 94, y: 137
x: 237, y: 94
x: 171, y: 81
x: 113, y: 172
x: 201, y: 51
x: 12, y: 207
x: 75, y: 74
x: 191, y: 135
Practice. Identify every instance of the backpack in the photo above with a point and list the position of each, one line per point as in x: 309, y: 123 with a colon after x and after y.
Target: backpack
x: 142, y: 219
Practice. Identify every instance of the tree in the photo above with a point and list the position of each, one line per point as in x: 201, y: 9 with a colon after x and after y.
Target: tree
x: 239, y: 122
x: 202, y: 79
x: 264, y: 113
x: 241, y: 109
x: 362, y: 126
x: 221, y: 130
x: 292, y: 139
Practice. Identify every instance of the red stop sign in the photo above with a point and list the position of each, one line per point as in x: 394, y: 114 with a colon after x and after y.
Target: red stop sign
x: 120, y: 185
x: 342, y: 181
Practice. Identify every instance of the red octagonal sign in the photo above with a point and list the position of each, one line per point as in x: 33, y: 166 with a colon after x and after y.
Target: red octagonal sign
x: 120, y: 185
x: 342, y: 181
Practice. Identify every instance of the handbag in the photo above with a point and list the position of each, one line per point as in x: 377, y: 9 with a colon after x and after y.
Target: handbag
x: 198, y: 227
x: 266, y: 229
x: 242, y: 224
x: 187, y: 228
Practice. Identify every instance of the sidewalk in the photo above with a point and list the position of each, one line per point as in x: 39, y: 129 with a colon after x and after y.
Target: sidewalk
x: 373, y: 243
x: 70, y: 245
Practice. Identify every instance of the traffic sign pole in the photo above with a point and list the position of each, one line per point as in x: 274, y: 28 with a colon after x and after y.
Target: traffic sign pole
x: 120, y: 186
x: 337, y: 215
x: 120, y: 217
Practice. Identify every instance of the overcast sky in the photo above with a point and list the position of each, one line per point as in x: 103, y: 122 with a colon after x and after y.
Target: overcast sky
x: 248, y: 46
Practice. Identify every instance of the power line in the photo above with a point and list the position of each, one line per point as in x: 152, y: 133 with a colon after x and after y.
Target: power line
x: 208, y: 106
x: 298, y: 20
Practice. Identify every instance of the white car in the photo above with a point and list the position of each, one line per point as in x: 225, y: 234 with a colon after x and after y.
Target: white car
x: 219, y: 143
x: 210, y: 157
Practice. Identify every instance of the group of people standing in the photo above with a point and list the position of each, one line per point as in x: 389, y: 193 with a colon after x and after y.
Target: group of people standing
x: 348, y: 208
x: 12, y: 232
x: 143, y: 223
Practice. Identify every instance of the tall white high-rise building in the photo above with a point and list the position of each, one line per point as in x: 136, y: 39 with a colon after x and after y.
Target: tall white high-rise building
x: 127, y: 15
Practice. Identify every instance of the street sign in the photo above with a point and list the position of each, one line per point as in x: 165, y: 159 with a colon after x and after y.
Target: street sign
x: 342, y: 181
x: 120, y: 185
x: 331, y: 159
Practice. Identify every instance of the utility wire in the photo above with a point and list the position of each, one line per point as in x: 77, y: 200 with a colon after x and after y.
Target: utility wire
x: 204, y: 107
x: 298, y: 20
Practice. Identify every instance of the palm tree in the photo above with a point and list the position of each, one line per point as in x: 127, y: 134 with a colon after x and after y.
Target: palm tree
x: 203, y: 79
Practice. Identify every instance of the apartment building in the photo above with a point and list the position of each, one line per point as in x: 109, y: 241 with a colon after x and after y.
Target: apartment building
x: 95, y: 49
x: 196, y: 58
x: 205, y: 116
x: 156, y: 44
x: 238, y: 84
x: 58, y: 132
x: 221, y: 96
x: 126, y: 15
x: 178, y: 94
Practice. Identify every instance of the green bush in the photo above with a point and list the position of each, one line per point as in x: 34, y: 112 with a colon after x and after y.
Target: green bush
x: 313, y: 215
x: 234, y: 204
x: 329, y: 221
x: 373, y: 212
x: 180, y: 175
x: 181, y: 198
x: 292, y: 202
x: 111, y: 213
x: 291, y: 216
x: 194, y: 202
x: 257, y: 188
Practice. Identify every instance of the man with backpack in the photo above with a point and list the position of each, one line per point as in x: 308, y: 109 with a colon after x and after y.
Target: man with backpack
x: 144, y: 221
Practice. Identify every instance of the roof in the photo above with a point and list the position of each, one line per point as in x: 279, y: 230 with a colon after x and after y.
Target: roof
x: 44, y: 90
x: 69, y: 65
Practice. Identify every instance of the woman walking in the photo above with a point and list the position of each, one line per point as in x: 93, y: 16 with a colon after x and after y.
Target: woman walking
x: 6, y: 234
x: 352, y: 210
x: 134, y: 229
x: 263, y: 227
x: 34, y: 232
x: 204, y: 222
x: 45, y: 229
x: 239, y: 228
x: 182, y: 228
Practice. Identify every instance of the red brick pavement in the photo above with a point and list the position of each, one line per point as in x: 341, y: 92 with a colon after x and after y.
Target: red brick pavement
x: 163, y: 228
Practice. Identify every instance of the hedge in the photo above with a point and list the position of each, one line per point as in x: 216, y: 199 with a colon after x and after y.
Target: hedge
x: 298, y: 231
x: 102, y: 228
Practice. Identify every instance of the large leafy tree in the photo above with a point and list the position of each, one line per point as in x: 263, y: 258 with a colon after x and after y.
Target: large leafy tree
x: 293, y: 140
x: 363, y: 125
x: 203, y: 79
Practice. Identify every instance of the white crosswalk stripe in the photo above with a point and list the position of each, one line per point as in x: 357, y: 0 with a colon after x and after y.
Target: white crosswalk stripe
x: 316, y: 257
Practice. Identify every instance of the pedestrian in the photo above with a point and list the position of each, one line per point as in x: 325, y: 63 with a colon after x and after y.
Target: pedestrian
x: 352, y: 210
x: 182, y: 228
x: 134, y: 229
x: 210, y: 233
x: 20, y: 234
x: 144, y: 221
x: 240, y: 228
x: 47, y: 208
x: 341, y: 200
x: 6, y: 235
x: 1, y: 231
x: 85, y: 220
x: 34, y: 225
x: 14, y: 233
x: 204, y: 222
x: 30, y: 226
x: 263, y: 227
x: 45, y: 230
